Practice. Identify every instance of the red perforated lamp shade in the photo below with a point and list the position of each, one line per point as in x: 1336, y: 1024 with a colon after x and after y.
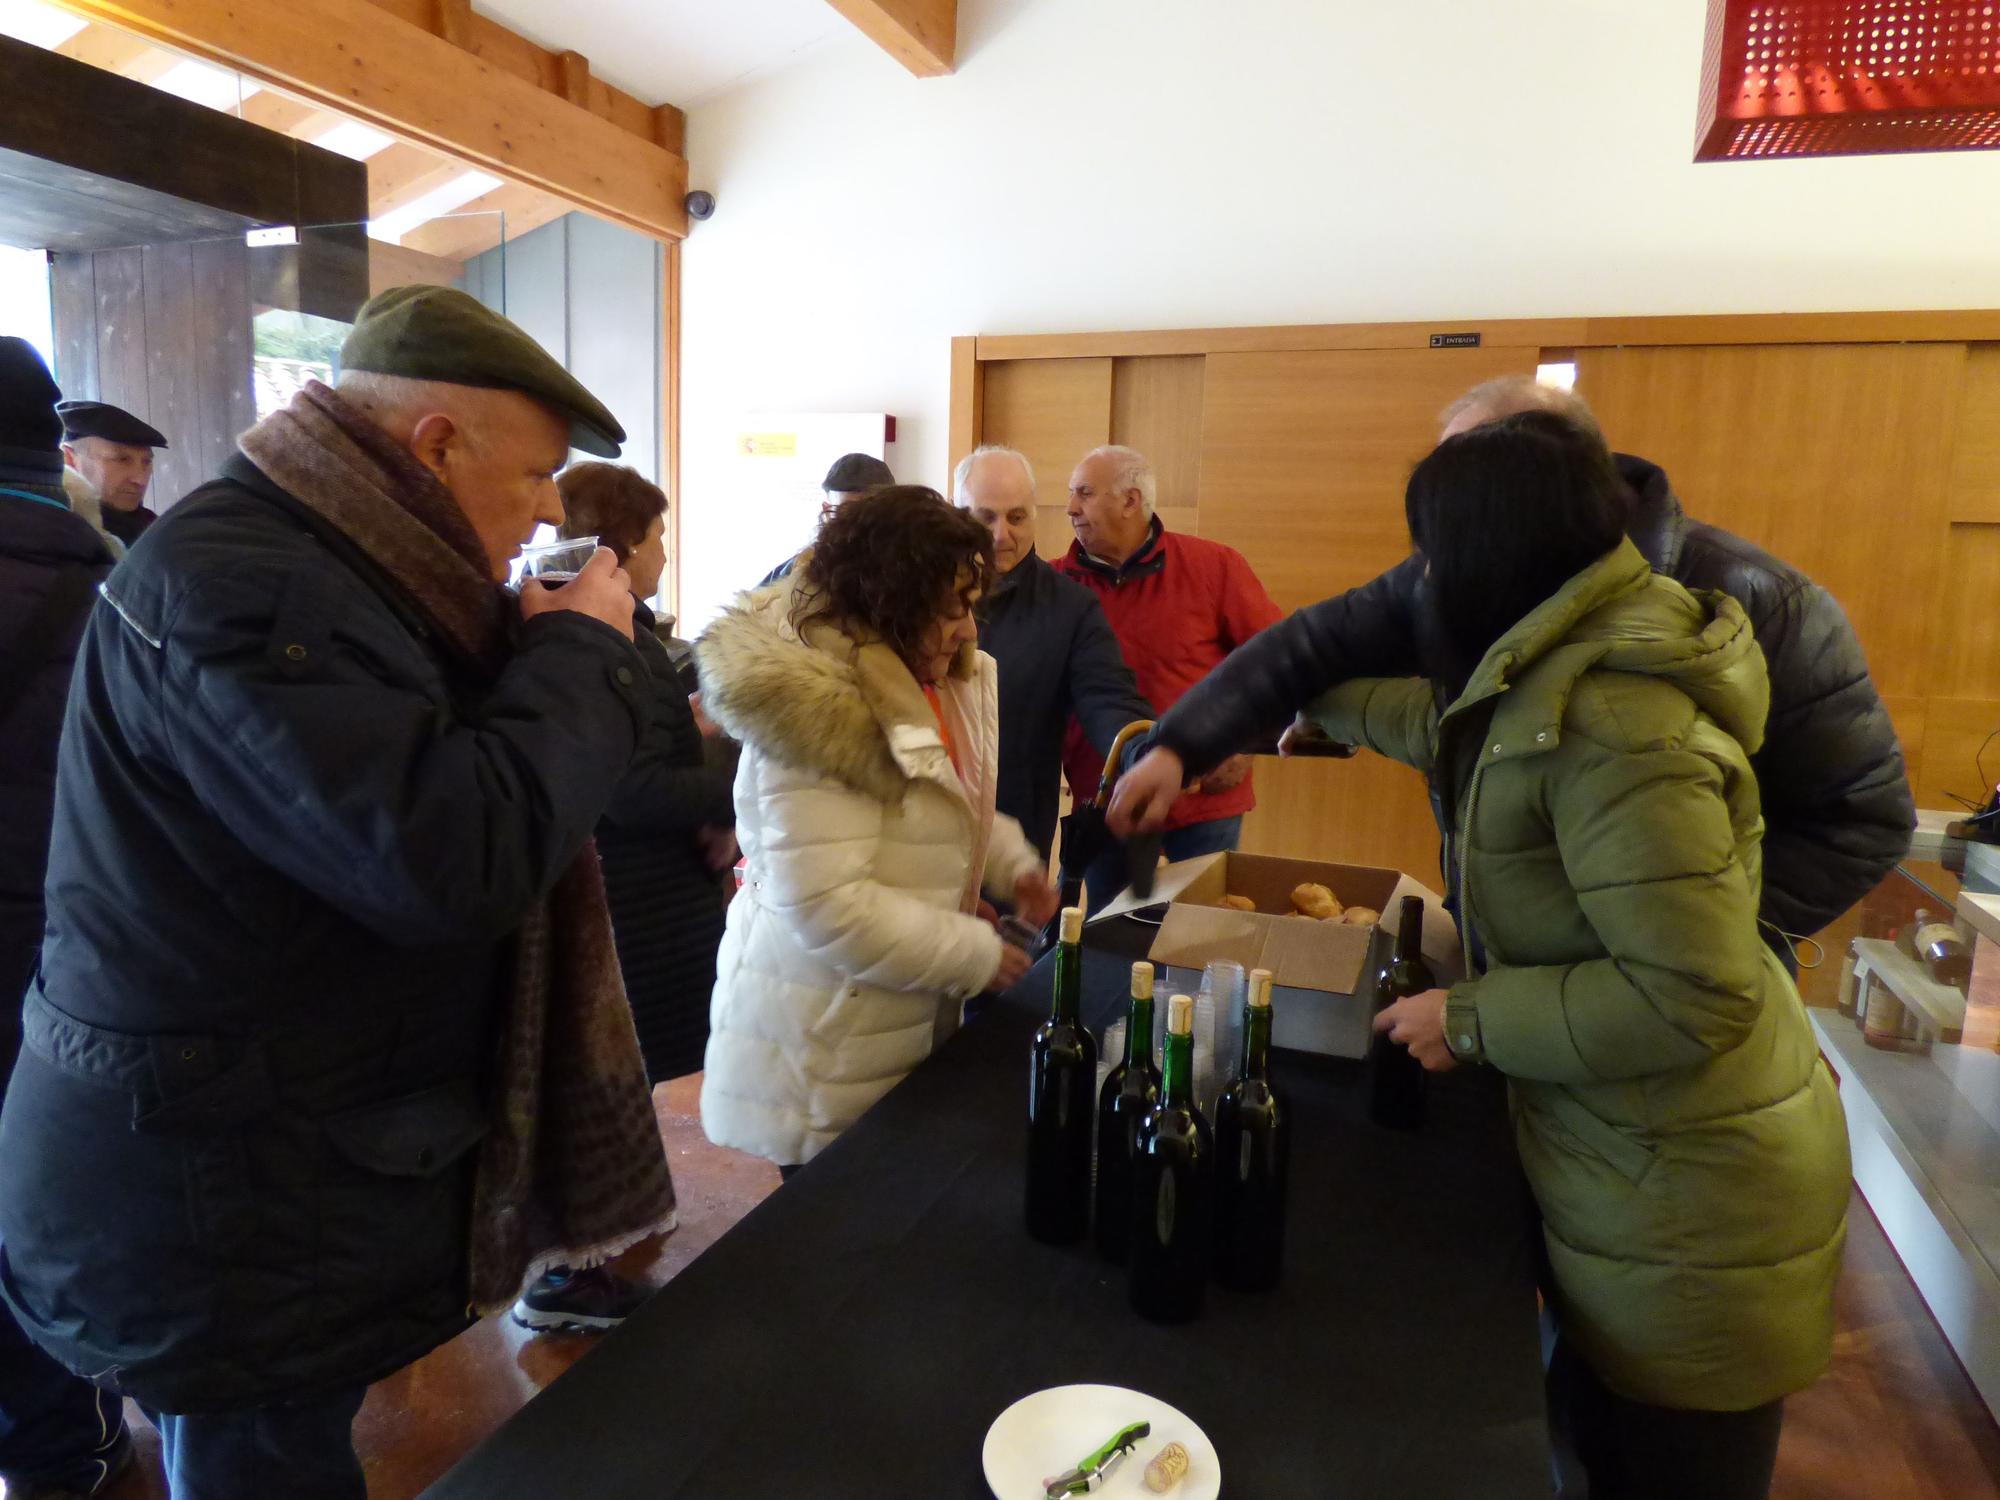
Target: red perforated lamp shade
x: 1849, y: 78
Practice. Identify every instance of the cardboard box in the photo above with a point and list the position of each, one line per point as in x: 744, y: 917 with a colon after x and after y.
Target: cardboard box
x: 1322, y: 973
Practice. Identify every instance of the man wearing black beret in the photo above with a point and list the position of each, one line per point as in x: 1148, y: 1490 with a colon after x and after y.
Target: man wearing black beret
x: 851, y: 474
x: 113, y: 450
x: 328, y: 1045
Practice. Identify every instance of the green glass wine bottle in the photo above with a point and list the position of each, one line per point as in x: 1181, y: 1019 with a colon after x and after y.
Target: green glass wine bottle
x: 1253, y: 1151
x: 1171, y: 1187
x: 1395, y: 1077
x: 1132, y: 1088
x: 1062, y: 1075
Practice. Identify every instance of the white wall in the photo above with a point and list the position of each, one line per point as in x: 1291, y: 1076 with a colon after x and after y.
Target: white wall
x: 1105, y: 164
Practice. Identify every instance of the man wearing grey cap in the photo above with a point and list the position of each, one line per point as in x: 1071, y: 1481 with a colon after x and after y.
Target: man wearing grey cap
x: 328, y: 1045
x: 113, y: 451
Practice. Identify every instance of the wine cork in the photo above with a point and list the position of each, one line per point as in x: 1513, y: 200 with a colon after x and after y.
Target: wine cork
x: 1142, y: 980
x: 1260, y: 988
x: 1180, y: 1016
x: 1072, y: 924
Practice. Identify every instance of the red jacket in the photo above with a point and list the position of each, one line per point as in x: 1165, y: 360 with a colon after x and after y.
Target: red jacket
x: 1178, y: 606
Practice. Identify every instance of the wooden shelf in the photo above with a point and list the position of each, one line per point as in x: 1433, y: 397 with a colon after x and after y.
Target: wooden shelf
x: 1939, y: 1004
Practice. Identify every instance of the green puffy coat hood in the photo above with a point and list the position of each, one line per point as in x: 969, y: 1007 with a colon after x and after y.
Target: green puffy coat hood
x: 1617, y: 615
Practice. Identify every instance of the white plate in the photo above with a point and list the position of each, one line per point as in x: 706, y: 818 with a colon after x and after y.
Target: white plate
x: 1043, y: 1435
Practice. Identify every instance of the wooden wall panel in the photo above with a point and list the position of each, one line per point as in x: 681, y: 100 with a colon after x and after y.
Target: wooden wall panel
x: 1055, y: 411
x: 1975, y: 478
x: 165, y: 332
x: 172, y: 369
x: 1304, y: 456
x: 1836, y: 457
x: 1364, y: 811
x: 1156, y: 408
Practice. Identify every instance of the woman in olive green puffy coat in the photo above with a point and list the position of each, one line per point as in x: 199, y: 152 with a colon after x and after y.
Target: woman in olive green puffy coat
x: 1589, y: 727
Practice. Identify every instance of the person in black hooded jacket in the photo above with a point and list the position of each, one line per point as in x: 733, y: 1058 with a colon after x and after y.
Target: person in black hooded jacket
x: 58, y: 1434
x: 1837, y: 803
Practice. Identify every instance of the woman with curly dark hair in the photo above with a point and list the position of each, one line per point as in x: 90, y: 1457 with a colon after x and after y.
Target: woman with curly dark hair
x: 864, y: 804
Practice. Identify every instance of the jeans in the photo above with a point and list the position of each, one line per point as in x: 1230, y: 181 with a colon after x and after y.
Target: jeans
x: 302, y: 1451
x: 1107, y: 874
x: 54, y: 1426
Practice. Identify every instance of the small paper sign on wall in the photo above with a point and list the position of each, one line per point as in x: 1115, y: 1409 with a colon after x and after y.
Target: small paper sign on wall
x: 768, y: 445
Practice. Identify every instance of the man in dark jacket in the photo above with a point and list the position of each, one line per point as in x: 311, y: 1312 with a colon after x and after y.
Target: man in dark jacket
x: 1837, y: 805
x: 113, y: 451
x: 325, y: 790
x: 58, y: 1434
x: 1057, y: 656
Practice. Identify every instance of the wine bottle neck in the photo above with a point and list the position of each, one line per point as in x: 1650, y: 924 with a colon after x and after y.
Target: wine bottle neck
x: 1410, y: 931
x: 1139, y: 1035
x: 1257, y: 1041
x: 1068, y: 985
x: 1177, y: 1077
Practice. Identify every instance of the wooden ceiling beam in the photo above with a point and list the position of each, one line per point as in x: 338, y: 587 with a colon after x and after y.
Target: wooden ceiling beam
x: 458, y: 23
x: 504, y: 214
x: 922, y: 35
x: 363, y: 60
x: 114, y: 51
x: 398, y: 175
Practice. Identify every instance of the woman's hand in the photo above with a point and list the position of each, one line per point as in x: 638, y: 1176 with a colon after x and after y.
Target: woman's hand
x: 1014, y: 963
x: 1417, y: 1022
x: 1036, y: 899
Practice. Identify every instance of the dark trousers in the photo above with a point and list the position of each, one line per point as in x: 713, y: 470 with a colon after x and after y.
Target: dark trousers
x: 1107, y: 875
x: 1632, y: 1451
x: 304, y: 1451
x: 54, y: 1427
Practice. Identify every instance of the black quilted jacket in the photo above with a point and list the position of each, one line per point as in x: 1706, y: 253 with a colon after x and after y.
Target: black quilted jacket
x: 1836, y: 802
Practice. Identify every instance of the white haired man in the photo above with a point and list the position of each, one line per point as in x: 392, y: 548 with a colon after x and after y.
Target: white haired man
x: 1058, y: 658
x: 1178, y: 605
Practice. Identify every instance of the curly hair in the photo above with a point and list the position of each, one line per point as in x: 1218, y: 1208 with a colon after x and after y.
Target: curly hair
x: 611, y: 502
x: 887, y: 561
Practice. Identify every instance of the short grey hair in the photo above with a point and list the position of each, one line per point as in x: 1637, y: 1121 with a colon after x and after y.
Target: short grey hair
x: 1509, y: 395
x: 387, y: 398
x: 989, y: 450
x: 1133, y: 472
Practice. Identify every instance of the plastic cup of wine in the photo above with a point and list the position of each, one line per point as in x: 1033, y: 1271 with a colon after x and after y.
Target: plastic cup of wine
x: 556, y: 563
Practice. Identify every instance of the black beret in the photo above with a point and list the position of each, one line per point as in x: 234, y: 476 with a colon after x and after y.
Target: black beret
x: 100, y: 419
x: 857, y: 471
x: 439, y: 333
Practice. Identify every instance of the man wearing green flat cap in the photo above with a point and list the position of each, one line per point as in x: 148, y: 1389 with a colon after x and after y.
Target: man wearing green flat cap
x: 328, y: 1044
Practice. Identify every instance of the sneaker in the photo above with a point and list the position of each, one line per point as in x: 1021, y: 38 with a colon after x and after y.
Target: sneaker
x: 579, y: 1301
x: 93, y: 1478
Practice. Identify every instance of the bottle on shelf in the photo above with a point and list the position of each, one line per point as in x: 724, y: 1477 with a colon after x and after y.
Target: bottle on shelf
x: 1062, y: 1077
x: 1253, y: 1148
x: 1172, y: 1187
x: 1395, y: 1077
x: 1131, y: 1088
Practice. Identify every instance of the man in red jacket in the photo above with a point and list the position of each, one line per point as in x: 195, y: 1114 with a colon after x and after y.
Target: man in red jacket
x: 1178, y: 606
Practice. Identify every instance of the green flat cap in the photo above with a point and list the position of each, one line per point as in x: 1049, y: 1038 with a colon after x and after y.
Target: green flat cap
x: 439, y: 333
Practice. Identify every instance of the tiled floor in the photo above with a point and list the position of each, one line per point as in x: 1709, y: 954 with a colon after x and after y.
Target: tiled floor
x: 1895, y: 1419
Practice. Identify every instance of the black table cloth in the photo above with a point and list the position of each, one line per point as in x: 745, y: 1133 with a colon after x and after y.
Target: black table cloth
x: 858, y: 1332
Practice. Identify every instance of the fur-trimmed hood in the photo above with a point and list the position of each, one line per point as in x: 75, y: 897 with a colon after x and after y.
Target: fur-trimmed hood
x: 818, y: 698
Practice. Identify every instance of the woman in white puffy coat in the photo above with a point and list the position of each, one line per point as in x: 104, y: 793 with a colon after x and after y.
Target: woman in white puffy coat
x: 864, y: 805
